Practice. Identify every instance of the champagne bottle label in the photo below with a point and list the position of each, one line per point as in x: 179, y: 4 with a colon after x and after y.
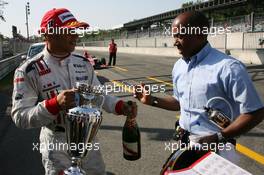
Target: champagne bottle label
x: 130, y: 148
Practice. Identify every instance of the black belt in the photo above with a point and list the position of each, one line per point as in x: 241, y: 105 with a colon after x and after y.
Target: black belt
x: 183, y: 135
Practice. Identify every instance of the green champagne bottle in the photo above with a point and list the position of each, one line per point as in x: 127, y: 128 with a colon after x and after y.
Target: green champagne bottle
x: 131, y: 139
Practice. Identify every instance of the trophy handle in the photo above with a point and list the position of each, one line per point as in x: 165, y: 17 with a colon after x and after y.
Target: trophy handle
x: 102, y: 103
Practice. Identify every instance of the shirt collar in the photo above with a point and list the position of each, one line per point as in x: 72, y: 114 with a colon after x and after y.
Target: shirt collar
x: 197, y: 58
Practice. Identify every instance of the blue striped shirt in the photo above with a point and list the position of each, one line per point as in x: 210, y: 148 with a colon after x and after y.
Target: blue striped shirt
x: 209, y: 74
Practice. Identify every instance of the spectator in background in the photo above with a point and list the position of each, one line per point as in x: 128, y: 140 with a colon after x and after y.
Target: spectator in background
x: 112, y: 52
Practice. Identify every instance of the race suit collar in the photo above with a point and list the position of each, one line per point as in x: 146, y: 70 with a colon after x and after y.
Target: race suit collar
x: 57, y: 60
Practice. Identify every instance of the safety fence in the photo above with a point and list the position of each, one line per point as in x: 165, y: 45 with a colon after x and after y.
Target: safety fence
x: 10, y: 64
x: 239, y: 40
x: 12, y: 47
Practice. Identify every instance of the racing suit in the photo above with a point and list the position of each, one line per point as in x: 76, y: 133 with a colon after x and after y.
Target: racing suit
x: 36, y: 83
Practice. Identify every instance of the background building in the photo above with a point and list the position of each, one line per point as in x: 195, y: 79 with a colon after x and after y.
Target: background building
x: 240, y: 15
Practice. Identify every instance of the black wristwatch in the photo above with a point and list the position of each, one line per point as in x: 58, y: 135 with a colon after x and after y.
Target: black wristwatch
x: 154, y: 101
x: 220, y: 137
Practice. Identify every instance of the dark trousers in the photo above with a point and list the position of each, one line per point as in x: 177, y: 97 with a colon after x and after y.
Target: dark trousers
x: 112, y: 55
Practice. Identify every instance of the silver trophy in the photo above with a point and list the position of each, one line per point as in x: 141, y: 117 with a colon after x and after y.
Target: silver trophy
x: 82, y: 124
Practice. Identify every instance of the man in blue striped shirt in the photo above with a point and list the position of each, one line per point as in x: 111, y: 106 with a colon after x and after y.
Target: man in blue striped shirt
x: 207, y: 77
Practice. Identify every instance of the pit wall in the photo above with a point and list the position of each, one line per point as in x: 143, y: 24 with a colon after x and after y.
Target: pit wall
x: 243, y: 46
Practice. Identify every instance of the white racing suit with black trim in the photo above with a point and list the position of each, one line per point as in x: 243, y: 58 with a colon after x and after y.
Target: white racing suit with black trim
x: 43, y: 77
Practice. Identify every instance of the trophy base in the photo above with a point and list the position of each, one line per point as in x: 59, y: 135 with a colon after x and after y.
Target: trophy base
x: 74, y: 171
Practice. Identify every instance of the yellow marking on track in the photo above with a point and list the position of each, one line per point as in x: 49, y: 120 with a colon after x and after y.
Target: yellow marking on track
x: 119, y: 68
x: 249, y: 153
x: 164, y: 82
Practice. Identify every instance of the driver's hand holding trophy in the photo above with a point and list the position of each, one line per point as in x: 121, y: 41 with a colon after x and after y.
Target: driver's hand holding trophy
x: 83, y: 118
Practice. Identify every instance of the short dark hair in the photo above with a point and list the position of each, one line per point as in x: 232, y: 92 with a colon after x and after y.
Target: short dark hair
x: 198, y: 19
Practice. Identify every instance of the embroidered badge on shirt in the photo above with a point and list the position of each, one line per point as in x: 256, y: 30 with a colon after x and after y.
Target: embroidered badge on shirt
x: 42, y: 67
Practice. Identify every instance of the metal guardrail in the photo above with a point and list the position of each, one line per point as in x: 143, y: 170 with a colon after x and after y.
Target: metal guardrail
x: 10, y: 64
